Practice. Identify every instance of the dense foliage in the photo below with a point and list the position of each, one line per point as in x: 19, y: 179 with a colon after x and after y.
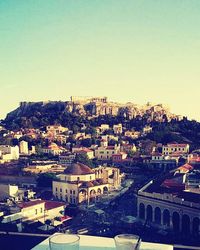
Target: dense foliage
x: 45, y: 179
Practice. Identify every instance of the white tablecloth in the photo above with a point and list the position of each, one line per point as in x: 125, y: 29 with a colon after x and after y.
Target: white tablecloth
x: 100, y: 243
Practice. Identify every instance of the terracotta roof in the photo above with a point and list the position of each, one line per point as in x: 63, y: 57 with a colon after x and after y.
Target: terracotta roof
x: 30, y: 203
x: 53, y: 204
x: 185, y: 168
x: 65, y: 218
x: 78, y: 169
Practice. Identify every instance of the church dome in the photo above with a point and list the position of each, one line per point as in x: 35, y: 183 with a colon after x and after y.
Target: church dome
x: 78, y: 169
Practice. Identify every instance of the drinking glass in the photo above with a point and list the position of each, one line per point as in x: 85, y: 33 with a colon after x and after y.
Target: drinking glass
x: 127, y: 242
x: 64, y: 242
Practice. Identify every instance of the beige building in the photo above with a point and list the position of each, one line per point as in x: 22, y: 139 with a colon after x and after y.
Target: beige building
x: 39, y: 210
x: 53, y: 149
x: 80, y: 184
x: 178, y: 210
x: 32, y: 210
x: 105, y: 153
x: 117, y: 128
x: 175, y: 149
x: 56, y: 129
x: 132, y: 134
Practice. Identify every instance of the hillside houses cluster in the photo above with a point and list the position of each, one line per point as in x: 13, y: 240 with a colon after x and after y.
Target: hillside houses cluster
x: 87, y: 165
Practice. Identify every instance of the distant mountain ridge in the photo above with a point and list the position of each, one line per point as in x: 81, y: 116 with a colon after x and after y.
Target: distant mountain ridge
x: 37, y: 114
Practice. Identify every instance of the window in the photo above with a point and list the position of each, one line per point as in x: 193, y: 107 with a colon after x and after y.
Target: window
x: 70, y: 191
x: 73, y: 191
x: 56, y: 189
x: 35, y: 211
x: 60, y: 189
x: 41, y: 210
x: 66, y: 190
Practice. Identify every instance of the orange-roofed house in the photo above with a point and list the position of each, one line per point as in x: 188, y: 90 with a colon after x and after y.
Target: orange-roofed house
x: 32, y: 210
x: 53, y: 149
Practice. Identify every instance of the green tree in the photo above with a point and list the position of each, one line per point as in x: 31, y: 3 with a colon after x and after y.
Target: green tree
x: 46, y: 179
x: 83, y: 158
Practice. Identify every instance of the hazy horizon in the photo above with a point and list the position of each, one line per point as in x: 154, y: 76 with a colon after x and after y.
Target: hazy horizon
x: 137, y: 51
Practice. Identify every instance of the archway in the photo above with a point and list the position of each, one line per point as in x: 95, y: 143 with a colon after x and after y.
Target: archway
x: 92, y: 195
x: 157, y: 215
x: 105, y: 190
x: 142, y: 211
x: 99, y: 191
x: 195, y: 226
x: 82, y: 195
x: 176, y: 222
x: 166, y: 217
x: 149, y: 213
x: 98, y: 194
x: 186, y: 224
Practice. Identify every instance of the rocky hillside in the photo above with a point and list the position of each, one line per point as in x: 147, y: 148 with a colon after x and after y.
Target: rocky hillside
x: 38, y: 114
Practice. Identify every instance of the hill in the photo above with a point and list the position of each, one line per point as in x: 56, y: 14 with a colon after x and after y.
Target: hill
x: 38, y: 114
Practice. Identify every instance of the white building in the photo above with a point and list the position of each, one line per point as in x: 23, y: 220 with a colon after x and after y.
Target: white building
x: 67, y: 159
x: 23, y: 147
x: 8, y: 153
x: 7, y: 191
x: 13, y: 192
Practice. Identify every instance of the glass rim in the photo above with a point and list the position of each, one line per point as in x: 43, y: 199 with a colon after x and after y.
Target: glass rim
x: 62, y: 243
x: 128, y: 236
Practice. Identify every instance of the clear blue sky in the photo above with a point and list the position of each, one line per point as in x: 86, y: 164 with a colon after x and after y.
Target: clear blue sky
x: 128, y: 50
